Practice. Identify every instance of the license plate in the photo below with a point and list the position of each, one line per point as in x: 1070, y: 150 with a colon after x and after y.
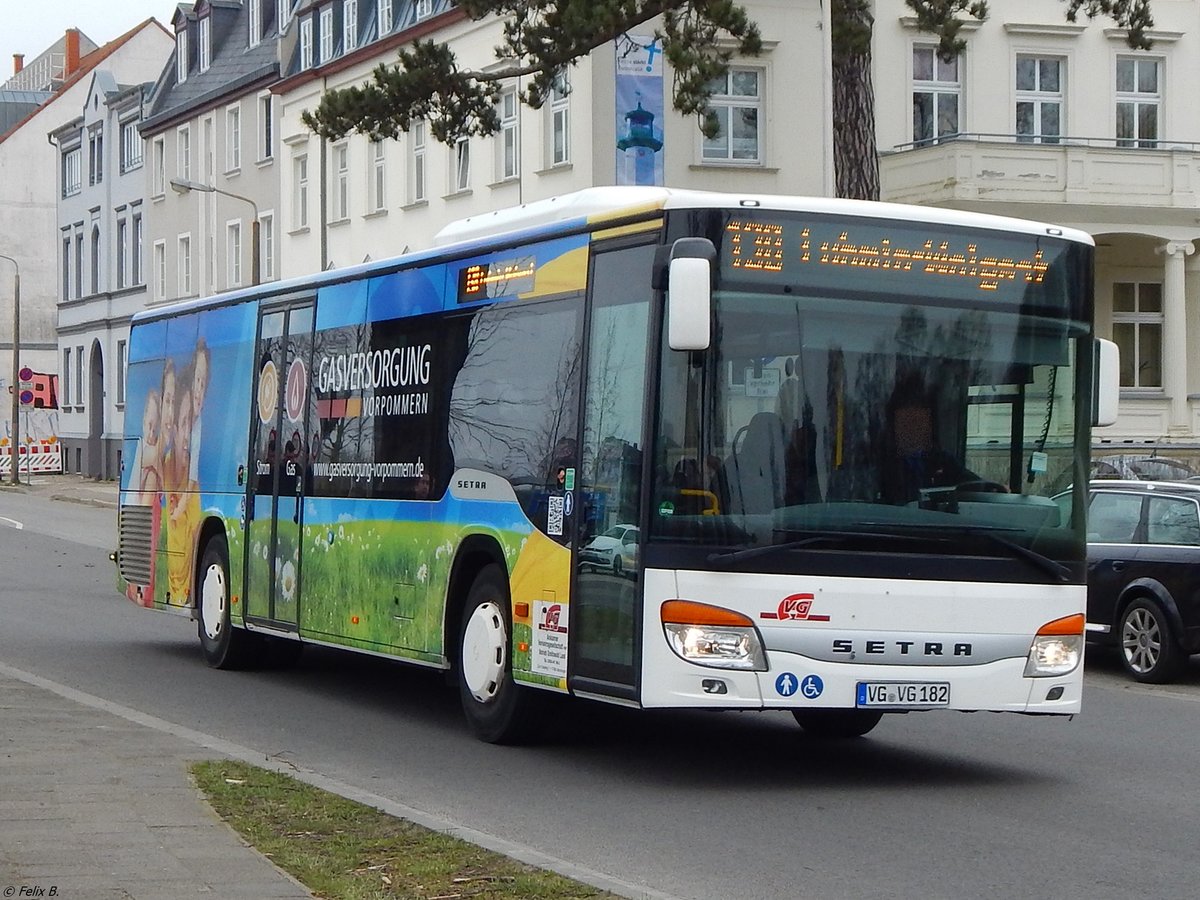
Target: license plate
x: 904, y: 694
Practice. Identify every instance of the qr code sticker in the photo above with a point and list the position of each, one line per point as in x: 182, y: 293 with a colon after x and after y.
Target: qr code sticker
x: 554, y: 516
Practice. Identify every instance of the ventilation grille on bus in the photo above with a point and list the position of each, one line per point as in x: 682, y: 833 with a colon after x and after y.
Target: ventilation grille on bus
x: 135, y: 559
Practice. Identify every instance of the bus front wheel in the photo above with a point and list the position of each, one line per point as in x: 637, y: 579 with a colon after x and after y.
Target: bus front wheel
x: 497, y: 708
x: 224, y: 646
x: 836, y: 723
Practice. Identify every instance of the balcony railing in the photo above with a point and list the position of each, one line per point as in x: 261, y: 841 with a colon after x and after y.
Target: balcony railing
x: 1022, y: 168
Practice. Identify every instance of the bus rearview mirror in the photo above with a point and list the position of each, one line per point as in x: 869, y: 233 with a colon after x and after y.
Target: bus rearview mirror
x: 1108, y: 383
x: 689, y: 294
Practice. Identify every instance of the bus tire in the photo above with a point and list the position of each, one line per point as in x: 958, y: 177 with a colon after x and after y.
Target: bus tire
x: 836, y: 724
x: 224, y: 646
x: 498, y: 710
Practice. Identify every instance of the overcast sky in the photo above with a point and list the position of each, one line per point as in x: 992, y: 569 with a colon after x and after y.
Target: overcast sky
x: 31, y: 26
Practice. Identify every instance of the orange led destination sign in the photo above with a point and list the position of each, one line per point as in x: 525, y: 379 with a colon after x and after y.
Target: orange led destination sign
x: 502, y: 278
x: 773, y: 247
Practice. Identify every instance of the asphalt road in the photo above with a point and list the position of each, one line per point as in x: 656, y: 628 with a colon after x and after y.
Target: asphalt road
x: 699, y: 806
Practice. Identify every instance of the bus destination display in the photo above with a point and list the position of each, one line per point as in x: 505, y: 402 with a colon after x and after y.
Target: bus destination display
x: 786, y: 247
x: 499, y: 278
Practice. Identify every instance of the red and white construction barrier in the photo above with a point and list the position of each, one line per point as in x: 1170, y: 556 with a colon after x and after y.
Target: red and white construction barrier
x: 41, y: 458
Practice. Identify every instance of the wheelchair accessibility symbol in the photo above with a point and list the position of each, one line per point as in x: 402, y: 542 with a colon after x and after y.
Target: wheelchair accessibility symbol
x: 812, y: 686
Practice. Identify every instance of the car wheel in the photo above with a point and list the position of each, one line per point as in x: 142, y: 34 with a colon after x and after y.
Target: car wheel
x: 617, y: 566
x: 836, y: 724
x: 498, y: 710
x: 224, y: 646
x: 1149, y: 648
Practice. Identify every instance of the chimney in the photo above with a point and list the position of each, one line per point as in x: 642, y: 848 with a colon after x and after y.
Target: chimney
x: 18, y: 63
x: 72, y: 54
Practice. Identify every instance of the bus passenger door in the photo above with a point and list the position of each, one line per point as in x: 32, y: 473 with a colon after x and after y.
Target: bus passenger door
x: 278, y: 464
x: 606, y: 604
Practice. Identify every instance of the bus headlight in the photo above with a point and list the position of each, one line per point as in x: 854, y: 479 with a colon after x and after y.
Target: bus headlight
x: 1057, y: 648
x: 712, y: 636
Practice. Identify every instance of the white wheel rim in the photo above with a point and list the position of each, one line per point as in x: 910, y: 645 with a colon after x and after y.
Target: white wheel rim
x: 213, y: 598
x: 1141, y: 641
x: 483, y: 652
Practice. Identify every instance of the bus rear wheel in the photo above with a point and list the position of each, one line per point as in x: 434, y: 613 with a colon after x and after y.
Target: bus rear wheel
x: 497, y: 708
x: 836, y: 724
x: 224, y: 646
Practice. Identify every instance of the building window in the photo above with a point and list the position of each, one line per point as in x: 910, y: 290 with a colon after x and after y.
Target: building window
x: 79, y: 394
x: 79, y: 263
x: 95, y: 156
x: 66, y: 267
x: 936, y: 92
x: 736, y: 102
x: 349, y: 25
x: 300, y: 192
x: 66, y: 377
x: 423, y: 9
x: 185, y: 153
x: 378, y: 176
x: 416, y: 162
x: 185, y: 265
x: 121, y: 356
x: 266, y: 127
x: 72, y: 177
x: 283, y: 13
x: 385, y: 17
x: 306, y: 44
x: 1039, y: 99
x: 95, y: 259
x: 131, y: 147
x: 159, y: 185
x: 160, y: 270
x: 460, y: 179
x: 1139, y: 96
x: 233, y: 138
x: 181, y: 55
x: 510, y: 139
x: 233, y: 246
x: 1137, y: 332
x: 266, y: 239
x: 560, y: 120
x: 254, y: 14
x: 136, y: 249
x: 341, y: 182
x: 122, y: 251
x: 205, y: 43
x: 326, y: 34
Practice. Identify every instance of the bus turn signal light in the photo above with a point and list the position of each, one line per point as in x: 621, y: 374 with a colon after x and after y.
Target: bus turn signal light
x: 1066, y: 625
x: 689, y: 612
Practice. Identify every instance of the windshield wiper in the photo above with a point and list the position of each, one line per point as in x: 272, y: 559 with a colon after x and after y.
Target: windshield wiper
x: 1045, y: 563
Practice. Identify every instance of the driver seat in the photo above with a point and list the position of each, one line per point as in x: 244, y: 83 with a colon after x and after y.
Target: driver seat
x: 755, y: 472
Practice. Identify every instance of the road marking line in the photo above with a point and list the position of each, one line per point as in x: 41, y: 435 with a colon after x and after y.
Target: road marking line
x: 11, y: 522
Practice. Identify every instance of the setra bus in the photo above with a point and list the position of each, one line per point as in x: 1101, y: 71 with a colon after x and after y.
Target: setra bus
x: 653, y: 447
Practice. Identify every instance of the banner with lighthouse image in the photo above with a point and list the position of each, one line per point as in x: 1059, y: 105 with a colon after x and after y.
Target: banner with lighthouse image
x: 639, y: 93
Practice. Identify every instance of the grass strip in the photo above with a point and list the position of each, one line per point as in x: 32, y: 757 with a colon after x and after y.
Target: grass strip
x: 343, y: 850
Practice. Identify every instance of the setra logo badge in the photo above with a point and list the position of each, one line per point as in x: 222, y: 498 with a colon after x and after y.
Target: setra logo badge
x: 797, y: 607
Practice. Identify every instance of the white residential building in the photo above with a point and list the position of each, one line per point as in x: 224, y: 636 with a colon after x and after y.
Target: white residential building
x: 1063, y: 122
x: 30, y: 191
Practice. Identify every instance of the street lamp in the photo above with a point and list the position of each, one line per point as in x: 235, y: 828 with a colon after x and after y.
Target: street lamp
x: 183, y: 186
x: 16, y: 368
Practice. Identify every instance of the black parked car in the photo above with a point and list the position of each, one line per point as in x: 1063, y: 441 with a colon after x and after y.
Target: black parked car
x: 1144, y: 573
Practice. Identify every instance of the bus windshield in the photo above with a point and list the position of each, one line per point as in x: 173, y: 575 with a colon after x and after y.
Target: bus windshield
x: 864, y: 414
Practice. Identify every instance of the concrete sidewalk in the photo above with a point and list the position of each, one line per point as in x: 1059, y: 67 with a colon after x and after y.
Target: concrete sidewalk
x: 69, y: 488
x: 98, y: 807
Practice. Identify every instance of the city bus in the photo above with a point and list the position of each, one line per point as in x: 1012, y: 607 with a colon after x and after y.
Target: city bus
x: 652, y: 447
